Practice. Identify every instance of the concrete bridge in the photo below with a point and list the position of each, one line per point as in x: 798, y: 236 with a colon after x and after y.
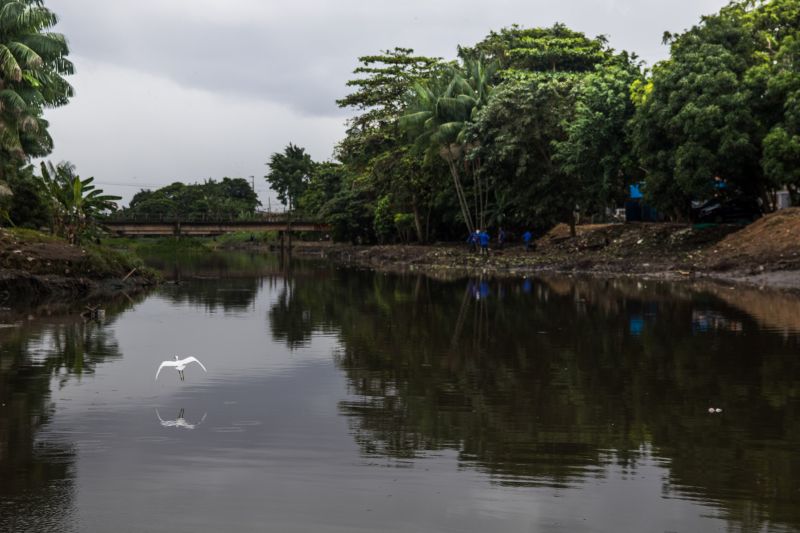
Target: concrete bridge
x: 163, y: 226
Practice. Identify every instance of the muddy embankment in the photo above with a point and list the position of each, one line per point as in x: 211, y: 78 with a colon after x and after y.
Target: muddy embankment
x: 765, y: 253
x: 36, y: 267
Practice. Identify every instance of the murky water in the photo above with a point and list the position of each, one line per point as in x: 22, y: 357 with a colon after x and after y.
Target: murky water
x: 339, y: 400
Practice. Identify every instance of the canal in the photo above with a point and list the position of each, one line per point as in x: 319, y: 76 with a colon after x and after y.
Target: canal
x: 340, y: 400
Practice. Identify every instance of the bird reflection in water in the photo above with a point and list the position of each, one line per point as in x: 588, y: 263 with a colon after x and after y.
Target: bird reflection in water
x: 179, y: 422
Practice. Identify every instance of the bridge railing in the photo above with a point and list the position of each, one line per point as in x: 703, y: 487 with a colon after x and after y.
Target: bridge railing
x: 263, y: 217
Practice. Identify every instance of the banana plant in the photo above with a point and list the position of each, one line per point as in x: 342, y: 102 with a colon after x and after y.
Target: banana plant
x: 76, y: 205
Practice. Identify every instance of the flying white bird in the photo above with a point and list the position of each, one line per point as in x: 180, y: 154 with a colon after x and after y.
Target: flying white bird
x: 179, y: 365
x: 179, y: 422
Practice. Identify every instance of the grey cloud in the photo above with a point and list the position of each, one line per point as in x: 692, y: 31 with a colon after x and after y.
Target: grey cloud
x: 301, y: 54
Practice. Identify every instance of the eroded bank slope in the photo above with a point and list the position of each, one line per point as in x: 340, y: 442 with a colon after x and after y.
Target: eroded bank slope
x: 34, y: 265
x: 766, y: 252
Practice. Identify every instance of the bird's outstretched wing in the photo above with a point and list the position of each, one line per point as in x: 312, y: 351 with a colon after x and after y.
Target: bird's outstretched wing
x: 191, y: 359
x: 163, y: 364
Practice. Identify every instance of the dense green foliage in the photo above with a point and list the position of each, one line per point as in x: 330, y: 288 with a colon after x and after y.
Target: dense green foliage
x: 75, y: 204
x: 723, y: 107
x: 524, y: 129
x: 289, y: 174
x: 32, y: 63
x: 534, y: 126
x: 231, y: 198
x: 444, y: 148
x: 27, y: 205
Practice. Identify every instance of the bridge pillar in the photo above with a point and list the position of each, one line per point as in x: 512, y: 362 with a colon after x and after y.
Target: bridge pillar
x: 176, y: 230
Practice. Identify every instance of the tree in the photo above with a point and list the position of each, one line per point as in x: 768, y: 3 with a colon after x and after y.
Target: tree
x: 723, y: 108
x: 326, y: 180
x: 351, y: 212
x: 438, y: 118
x: 375, y: 149
x: 554, y: 93
x: 410, y: 182
x: 27, y: 207
x: 75, y: 204
x: 32, y: 65
x: 289, y: 174
x: 597, y: 150
x: 231, y: 198
x: 519, y: 130
x: 697, y: 124
x: 777, y: 24
x: 555, y: 49
x: 382, y: 87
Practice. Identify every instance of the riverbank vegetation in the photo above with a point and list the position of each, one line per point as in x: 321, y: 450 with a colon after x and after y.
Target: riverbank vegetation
x: 535, y: 126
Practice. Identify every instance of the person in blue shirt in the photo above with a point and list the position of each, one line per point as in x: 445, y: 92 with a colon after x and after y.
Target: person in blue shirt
x: 526, y: 238
x: 473, y: 240
x: 484, y: 238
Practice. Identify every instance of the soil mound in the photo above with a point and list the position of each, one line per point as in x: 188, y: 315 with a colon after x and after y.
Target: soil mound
x: 771, y: 243
x: 652, y: 241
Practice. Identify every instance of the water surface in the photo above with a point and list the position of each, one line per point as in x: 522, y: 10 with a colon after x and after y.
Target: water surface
x: 343, y: 400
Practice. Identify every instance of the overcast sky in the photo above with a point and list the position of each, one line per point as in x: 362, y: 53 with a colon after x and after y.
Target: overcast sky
x: 184, y: 90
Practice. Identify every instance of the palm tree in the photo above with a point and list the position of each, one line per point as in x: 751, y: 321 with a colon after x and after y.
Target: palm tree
x: 75, y: 204
x: 438, y: 116
x: 32, y: 63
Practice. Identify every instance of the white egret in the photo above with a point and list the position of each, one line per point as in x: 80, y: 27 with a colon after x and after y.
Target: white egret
x: 179, y: 365
x: 179, y: 422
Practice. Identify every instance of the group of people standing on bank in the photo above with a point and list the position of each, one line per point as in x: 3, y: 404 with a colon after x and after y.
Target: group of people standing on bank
x: 480, y: 239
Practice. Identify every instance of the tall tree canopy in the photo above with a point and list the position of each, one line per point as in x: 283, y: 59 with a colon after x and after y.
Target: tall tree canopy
x: 33, y: 62
x: 374, y: 150
x: 289, y: 174
x: 533, y: 126
x: 596, y: 150
x: 555, y: 49
x: 438, y: 117
x: 555, y: 101
x: 723, y: 107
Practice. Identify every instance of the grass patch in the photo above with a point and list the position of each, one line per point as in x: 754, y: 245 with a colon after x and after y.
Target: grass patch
x: 244, y: 238
x: 102, y: 261
x: 32, y: 235
x: 156, y: 244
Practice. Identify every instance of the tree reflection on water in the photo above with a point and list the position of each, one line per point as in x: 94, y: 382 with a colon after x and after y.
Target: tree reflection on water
x: 37, y: 476
x: 550, y: 381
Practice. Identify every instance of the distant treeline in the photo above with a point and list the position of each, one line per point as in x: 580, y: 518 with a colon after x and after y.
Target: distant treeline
x: 229, y: 198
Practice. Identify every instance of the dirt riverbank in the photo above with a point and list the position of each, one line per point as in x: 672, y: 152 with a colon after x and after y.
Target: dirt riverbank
x: 35, y: 266
x: 766, y: 253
